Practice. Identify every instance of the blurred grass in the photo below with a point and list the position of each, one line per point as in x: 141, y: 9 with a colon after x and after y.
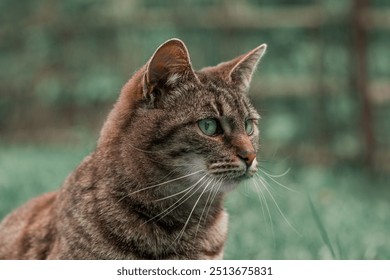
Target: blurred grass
x: 27, y: 171
x: 352, y: 206
x: 350, y: 212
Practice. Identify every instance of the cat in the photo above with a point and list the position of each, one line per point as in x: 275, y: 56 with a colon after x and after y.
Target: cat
x: 174, y: 144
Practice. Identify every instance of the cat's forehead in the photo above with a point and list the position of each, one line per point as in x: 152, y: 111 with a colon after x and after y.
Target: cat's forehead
x: 212, y: 98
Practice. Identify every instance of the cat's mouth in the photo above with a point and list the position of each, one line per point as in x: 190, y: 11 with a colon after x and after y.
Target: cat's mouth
x: 234, y: 171
x: 223, y: 175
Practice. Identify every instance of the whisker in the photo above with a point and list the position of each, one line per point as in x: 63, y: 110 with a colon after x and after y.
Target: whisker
x: 204, y: 208
x: 180, y: 192
x: 277, y: 176
x: 159, y: 184
x: 179, y: 201
x: 192, y: 211
x: 208, y: 199
x: 167, y: 182
x: 215, y: 193
x: 263, y: 202
x: 173, y: 195
x: 168, y: 175
x: 277, y: 206
x: 271, y: 177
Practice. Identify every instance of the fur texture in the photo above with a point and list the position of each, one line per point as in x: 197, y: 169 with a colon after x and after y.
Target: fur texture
x: 154, y: 186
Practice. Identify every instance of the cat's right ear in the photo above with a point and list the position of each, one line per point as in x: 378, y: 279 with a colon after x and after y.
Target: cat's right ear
x: 168, y: 65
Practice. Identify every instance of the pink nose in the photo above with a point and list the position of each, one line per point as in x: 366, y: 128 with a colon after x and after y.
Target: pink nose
x: 247, y: 156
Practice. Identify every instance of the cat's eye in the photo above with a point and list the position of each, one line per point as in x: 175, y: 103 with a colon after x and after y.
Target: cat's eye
x: 249, y: 127
x: 208, y: 126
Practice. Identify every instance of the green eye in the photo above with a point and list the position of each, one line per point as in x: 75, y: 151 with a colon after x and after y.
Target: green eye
x: 208, y: 126
x: 249, y: 127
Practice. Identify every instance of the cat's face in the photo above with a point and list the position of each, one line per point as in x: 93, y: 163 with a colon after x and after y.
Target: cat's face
x: 196, y: 125
x: 207, y: 128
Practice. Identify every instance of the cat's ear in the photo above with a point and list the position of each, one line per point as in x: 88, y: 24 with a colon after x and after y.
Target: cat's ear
x: 169, y: 64
x: 243, y: 71
x: 239, y: 71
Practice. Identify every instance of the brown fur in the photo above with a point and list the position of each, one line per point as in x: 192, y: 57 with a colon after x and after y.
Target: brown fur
x: 154, y: 186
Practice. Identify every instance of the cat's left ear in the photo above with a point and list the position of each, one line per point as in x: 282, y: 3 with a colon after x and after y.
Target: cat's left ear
x: 242, y: 72
x: 168, y: 65
x: 239, y: 71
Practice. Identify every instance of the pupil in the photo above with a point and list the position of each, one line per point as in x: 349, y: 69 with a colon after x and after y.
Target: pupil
x: 206, y: 126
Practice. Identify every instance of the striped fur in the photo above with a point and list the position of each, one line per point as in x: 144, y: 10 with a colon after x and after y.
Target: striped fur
x: 154, y: 187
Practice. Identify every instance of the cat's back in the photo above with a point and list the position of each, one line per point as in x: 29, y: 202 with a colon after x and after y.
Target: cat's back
x: 28, y: 232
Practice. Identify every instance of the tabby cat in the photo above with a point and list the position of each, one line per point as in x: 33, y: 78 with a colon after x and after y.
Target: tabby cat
x: 176, y: 141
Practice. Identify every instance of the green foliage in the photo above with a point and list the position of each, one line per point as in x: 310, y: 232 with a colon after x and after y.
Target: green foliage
x: 321, y: 227
x: 342, y: 217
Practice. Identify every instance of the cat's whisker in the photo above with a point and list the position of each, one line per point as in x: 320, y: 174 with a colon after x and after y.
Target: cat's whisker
x: 167, y: 182
x: 264, y: 183
x: 215, y: 191
x: 215, y: 182
x: 177, y: 238
x: 160, y: 184
x: 264, y: 206
x: 165, y: 177
x: 192, y: 211
x: 180, y: 192
x: 174, y: 170
x: 179, y: 201
x: 175, y: 194
x: 272, y: 177
x: 208, y: 199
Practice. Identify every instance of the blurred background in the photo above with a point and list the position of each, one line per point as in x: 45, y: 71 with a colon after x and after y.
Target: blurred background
x: 323, y: 91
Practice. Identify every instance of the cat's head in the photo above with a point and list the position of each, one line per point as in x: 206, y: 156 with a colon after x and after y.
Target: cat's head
x: 171, y: 119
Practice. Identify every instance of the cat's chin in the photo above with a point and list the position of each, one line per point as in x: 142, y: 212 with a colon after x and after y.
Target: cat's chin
x: 231, y: 184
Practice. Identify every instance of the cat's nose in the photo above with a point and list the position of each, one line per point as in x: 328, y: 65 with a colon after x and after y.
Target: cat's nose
x: 247, y: 156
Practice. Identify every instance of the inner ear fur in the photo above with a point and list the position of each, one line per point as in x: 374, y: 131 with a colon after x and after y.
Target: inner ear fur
x: 239, y: 71
x: 242, y: 72
x: 170, y: 63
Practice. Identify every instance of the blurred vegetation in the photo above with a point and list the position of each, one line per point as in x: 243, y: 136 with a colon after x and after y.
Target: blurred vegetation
x: 63, y: 63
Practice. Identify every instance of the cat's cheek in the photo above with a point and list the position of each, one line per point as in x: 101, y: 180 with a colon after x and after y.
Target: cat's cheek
x: 195, y: 162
